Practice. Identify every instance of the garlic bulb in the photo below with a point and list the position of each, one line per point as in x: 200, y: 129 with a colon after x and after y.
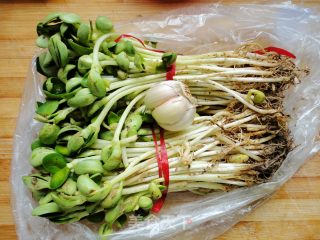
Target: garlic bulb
x: 171, y: 104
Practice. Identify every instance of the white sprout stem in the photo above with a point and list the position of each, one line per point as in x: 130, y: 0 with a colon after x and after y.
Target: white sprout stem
x: 125, y: 115
x: 138, y: 80
x: 96, y: 48
x: 177, y: 186
x: 208, y: 102
x: 227, y: 61
x: 242, y: 100
x: 124, y: 156
x: 112, y: 101
x: 229, y: 78
x: 208, y: 178
x: 239, y: 148
x: 196, y: 167
x: 220, y: 71
x: 143, y: 50
x: 77, y: 160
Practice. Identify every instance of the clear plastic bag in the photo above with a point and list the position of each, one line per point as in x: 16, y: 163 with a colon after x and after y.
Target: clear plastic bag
x: 194, y: 30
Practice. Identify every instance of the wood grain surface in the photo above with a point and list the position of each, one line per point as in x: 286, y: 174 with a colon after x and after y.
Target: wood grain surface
x: 292, y: 213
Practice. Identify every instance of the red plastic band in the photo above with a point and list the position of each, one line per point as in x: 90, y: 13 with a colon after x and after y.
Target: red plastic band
x: 164, y: 160
x: 163, y: 166
x: 171, y: 71
x: 154, y: 136
x: 277, y: 50
x: 139, y: 40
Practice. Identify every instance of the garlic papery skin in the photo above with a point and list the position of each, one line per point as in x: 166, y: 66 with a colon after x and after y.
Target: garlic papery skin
x: 163, y: 91
x: 171, y: 105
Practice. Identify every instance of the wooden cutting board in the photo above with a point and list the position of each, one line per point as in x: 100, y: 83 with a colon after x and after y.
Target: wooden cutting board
x: 292, y: 213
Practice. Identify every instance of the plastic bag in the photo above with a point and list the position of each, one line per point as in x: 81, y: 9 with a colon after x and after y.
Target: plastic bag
x: 194, y: 30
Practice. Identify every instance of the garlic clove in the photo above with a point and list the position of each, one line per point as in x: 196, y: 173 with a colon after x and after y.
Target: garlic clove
x: 184, y: 123
x: 172, y: 104
x: 163, y: 91
x: 171, y: 111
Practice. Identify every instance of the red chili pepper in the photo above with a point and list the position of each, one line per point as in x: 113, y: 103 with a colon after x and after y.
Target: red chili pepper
x: 280, y: 51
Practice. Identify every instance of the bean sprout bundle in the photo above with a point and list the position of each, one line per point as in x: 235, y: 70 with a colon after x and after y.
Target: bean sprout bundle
x: 108, y: 103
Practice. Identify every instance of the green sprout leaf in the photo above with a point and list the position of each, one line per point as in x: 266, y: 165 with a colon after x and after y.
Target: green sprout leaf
x: 138, y: 61
x: 123, y: 61
x: 63, y: 73
x: 38, y: 154
x: 145, y: 203
x: 113, y: 118
x: 129, y: 48
x: 106, y: 135
x: 49, y: 133
x: 104, y: 24
x: 45, y: 65
x: 82, y: 98
x: 69, y: 187
x: 88, y: 167
x: 75, y: 142
x: 63, y: 150
x: 120, y: 46
x: 79, y: 49
x: 111, y: 156
x: 169, y: 58
x: 36, y: 144
x: 73, y: 83
x: 83, y: 33
x: 36, y: 182
x: 54, y: 86
x: 104, y: 231
x: 58, y: 50
x: 86, y: 185
x: 113, y: 197
x: 42, y: 41
x: 96, y: 217
x: 47, y: 108
x: 46, y: 209
x: 113, y: 214
x: 70, y: 18
x: 63, y: 29
x: 59, y: 178
x: 96, y: 84
x: 53, y: 162
x: 51, y: 17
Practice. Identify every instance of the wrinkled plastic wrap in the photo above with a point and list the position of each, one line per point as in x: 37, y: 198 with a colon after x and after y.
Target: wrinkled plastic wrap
x: 196, y: 30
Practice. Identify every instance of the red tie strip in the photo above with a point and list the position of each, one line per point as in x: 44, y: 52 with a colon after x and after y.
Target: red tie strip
x: 280, y: 51
x: 139, y: 40
x: 162, y: 156
x: 163, y: 167
x: 171, y: 71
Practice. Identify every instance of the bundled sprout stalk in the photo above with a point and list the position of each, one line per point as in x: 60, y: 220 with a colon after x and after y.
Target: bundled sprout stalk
x: 95, y: 156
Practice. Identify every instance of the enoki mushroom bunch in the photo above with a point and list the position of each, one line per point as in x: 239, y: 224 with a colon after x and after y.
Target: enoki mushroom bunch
x: 108, y: 101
